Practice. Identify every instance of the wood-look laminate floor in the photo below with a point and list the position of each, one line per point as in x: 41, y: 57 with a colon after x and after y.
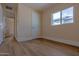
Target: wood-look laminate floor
x: 37, y: 47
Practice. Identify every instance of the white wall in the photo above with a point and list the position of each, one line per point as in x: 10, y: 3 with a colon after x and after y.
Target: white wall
x: 67, y: 33
x: 24, y: 22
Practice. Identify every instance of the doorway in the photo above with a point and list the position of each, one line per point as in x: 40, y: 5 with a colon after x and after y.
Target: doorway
x: 10, y: 26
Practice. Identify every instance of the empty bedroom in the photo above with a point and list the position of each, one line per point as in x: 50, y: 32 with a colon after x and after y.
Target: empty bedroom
x: 39, y: 29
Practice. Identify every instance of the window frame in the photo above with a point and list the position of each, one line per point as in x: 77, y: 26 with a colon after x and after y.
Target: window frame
x: 72, y: 15
x: 52, y: 18
x: 62, y: 17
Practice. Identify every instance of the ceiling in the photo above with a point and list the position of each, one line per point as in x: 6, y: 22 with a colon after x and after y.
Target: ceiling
x: 39, y: 6
x: 36, y: 6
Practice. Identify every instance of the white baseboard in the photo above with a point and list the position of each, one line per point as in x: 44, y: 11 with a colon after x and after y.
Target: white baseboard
x: 20, y: 39
x: 24, y: 39
x: 74, y: 43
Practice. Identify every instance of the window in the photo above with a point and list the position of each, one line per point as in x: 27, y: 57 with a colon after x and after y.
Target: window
x: 67, y: 16
x: 63, y: 17
x: 56, y: 18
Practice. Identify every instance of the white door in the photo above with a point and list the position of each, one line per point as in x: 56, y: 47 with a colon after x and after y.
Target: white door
x: 1, y: 25
x: 35, y: 24
x: 1, y: 31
